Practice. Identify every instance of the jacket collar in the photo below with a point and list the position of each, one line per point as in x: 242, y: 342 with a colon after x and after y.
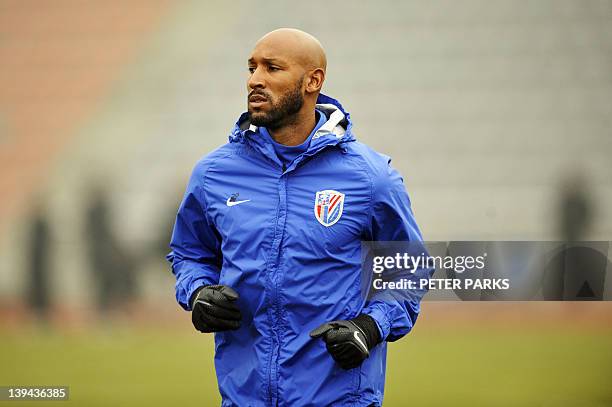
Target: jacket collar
x: 337, y: 130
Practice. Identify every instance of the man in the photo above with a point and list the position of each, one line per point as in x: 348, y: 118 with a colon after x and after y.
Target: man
x: 267, y: 242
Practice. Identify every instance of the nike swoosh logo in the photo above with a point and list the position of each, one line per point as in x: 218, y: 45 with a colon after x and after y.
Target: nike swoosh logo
x: 365, y: 348
x: 233, y: 203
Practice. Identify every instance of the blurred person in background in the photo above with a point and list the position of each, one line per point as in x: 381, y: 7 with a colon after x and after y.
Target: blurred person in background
x: 575, y: 208
x: 39, y: 261
x: 267, y: 242
x: 577, y: 272
x: 112, y: 265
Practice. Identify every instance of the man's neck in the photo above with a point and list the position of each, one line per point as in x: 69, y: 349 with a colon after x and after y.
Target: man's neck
x: 297, y: 131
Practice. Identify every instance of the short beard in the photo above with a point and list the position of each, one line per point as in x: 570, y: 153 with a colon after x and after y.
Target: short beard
x: 283, y: 112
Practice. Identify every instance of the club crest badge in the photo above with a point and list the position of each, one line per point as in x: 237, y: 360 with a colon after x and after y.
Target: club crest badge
x: 328, y: 206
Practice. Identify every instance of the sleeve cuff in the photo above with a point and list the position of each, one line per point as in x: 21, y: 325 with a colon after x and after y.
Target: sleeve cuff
x: 186, y: 301
x: 383, y: 324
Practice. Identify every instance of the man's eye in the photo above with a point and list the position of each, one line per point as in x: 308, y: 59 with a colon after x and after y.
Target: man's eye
x: 274, y: 68
x: 251, y: 69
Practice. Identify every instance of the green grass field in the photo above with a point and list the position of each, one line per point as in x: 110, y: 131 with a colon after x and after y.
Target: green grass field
x: 431, y: 367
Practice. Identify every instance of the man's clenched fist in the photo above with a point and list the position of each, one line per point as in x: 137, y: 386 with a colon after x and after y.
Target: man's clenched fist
x: 214, y: 309
x: 349, y: 342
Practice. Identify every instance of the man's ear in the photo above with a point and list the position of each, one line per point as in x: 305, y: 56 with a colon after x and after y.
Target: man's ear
x: 314, y: 81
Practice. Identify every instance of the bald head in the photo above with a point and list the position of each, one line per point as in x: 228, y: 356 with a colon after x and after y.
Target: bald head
x: 286, y: 73
x: 297, y: 46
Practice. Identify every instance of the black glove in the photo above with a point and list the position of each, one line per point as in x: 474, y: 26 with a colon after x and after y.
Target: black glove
x: 349, y: 342
x: 214, y: 309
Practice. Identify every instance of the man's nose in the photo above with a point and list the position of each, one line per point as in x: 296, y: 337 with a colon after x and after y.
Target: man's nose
x: 256, y: 79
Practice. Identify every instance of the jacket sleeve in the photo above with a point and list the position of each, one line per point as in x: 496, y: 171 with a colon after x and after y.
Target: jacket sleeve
x: 391, y: 219
x: 196, y: 245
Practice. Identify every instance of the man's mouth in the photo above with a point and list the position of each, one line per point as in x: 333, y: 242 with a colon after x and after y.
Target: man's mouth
x: 257, y: 99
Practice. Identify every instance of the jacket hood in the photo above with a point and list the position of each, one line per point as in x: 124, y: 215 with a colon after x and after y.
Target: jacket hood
x: 337, y: 128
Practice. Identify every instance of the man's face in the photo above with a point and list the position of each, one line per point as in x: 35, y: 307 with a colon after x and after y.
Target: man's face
x: 274, y: 86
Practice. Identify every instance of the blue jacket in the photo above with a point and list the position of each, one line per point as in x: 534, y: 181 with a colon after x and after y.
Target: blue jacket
x: 288, y: 240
